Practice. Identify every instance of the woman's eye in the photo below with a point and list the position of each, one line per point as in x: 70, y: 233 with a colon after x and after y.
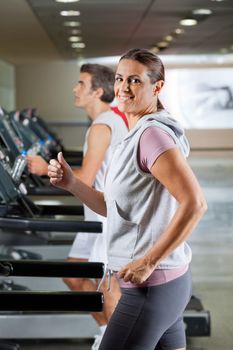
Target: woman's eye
x: 135, y: 81
x: 118, y: 79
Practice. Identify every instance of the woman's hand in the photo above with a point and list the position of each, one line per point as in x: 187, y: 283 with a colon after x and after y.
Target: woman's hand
x: 60, y: 173
x: 136, y: 272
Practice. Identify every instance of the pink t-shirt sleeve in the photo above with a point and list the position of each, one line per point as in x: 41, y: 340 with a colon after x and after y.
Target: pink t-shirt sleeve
x: 153, y: 142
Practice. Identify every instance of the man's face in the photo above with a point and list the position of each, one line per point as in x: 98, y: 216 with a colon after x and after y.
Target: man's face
x: 83, y: 92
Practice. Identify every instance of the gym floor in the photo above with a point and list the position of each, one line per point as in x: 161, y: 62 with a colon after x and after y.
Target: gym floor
x: 212, y: 245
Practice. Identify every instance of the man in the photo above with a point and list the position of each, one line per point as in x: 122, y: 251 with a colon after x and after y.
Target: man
x: 94, y: 93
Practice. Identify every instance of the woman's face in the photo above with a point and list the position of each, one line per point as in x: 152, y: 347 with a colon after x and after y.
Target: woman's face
x: 133, y: 89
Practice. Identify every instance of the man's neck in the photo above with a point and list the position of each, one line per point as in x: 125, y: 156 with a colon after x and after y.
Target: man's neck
x: 97, y: 108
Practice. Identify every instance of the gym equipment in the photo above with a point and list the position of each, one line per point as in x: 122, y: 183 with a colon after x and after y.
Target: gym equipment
x: 197, y: 319
x: 51, y: 301
x: 43, y: 140
x: 19, y: 214
x: 72, y: 157
x: 9, y: 346
x: 16, y: 141
x: 9, y: 285
x: 8, y: 253
x: 53, y: 268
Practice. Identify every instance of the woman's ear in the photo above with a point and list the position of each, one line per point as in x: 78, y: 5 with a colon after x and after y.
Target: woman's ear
x: 158, y: 86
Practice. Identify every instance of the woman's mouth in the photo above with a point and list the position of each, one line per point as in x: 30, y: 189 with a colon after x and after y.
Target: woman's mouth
x: 124, y: 98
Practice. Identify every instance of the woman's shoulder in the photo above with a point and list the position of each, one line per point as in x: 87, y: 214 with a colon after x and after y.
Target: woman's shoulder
x: 155, y: 133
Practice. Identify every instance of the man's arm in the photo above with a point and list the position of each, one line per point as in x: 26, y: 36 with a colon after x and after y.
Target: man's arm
x: 99, y: 139
x: 37, y: 165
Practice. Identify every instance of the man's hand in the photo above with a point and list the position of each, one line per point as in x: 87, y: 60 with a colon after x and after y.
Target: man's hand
x: 37, y: 165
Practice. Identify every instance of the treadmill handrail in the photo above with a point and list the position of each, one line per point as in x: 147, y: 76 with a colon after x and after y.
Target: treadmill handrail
x: 51, y: 301
x: 53, y: 268
x: 46, y: 191
x: 29, y: 224
x: 59, y: 209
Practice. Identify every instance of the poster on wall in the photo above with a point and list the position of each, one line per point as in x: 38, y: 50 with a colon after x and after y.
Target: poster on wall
x: 200, y: 98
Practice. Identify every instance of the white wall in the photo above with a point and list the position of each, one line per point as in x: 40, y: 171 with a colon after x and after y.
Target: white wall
x: 7, y: 86
x: 49, y: 88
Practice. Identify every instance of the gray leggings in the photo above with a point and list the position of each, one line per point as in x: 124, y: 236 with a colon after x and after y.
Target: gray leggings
x: 150, y: 318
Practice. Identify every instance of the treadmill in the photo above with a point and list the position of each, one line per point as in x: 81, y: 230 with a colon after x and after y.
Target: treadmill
x: 15, y: 142
x: 19, y: 214
x: 41, y: 129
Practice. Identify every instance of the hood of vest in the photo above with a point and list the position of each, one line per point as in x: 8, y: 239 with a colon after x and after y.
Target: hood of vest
x: 163, y: 120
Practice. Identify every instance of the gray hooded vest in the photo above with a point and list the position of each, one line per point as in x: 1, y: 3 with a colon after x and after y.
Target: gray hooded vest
x: 139, y: 207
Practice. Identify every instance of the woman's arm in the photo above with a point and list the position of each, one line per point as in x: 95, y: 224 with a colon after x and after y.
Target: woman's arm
x: 61, y: 175
x: 173, y: 171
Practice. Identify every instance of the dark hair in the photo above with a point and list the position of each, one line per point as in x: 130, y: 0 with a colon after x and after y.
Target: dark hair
x: 152, y: 62
x: 101, y: 77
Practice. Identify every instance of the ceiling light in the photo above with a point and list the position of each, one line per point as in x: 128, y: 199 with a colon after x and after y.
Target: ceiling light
x: 201, y: 12
x: 78, y: 45
x: 75, y: 31
x: 179, y: 31
x: 74, y: 39
x: 154, y: 49
x: 66, y: 1
x: 188, y: 21
x: 72, y: 24
x: 168, y: 38
x: 217, y: 0
x: 70, y: 13
x: 162, y: 44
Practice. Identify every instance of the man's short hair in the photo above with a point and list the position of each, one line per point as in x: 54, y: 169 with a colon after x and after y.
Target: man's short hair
x: 101, y: 77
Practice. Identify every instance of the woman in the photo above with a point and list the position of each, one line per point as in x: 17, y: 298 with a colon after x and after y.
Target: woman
x: 153, y: 202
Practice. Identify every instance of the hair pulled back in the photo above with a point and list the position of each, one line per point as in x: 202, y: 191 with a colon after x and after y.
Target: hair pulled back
x: 153, y: 63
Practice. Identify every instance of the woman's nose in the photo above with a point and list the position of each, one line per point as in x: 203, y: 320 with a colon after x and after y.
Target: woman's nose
x: 125, y: 85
